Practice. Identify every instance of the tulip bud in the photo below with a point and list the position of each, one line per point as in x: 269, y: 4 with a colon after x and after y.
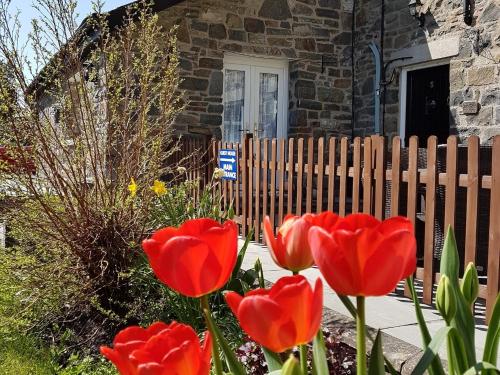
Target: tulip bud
x: 470, y: 284
x: 445, y: 299
x: 291, y: 367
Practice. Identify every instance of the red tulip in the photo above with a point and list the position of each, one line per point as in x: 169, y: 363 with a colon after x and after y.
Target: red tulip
x: 362, y: 256
x: 159, y: 350
x: 195, y: 259
x: 282, y: 317
x: 291, y: 250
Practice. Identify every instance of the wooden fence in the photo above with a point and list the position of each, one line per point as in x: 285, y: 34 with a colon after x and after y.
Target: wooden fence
x: 436, y: 187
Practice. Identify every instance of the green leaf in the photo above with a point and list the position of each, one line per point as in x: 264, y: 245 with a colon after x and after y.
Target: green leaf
x: 258, y: 268
x: 377, y: 357
x: 436, y: 367
x: 463, y: 320
x: 457, y: 351
x: 273, y: 360
x: 234, y: 365
x: 320, y: 364
x: 493, y: 335
x: 479, y: 367
x: 241, y: 255
x: 348, y: 305
x: 291, y: 367
x: 431, y: 351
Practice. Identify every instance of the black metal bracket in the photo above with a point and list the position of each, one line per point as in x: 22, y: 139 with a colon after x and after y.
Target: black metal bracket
x: 468, y: 12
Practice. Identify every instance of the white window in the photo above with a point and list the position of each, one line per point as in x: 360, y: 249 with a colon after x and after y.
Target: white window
x: 255, y: 97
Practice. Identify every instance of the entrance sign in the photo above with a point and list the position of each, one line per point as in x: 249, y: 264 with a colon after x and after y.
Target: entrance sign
x: 228, y: 161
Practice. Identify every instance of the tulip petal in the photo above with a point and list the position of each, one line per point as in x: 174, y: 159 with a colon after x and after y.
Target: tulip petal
x: 316, y: 309
x: 122, y: 364
x: 233, y: 300
x: 188, y: 266
x: 275, y: 246
x: 395, y: 224
x: 198, y: 227
x: 330, y: 258
x: 298, y: 254
x: 261, y: 318
x: 357, y: 221
x: 394, y: 257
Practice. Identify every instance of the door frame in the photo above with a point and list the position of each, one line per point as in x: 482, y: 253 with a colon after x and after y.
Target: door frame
x: 403, y: 88
x: 242, y: 62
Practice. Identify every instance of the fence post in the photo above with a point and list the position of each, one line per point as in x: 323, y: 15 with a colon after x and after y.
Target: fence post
x: 244, y: 182
x: 380, y: 159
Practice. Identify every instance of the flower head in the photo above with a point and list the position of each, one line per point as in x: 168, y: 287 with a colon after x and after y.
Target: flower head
x: 195, y: 259
x: 160, y: 349
x: 159, y: 188
x: 290, y: 249
x: 362, y: 256
x: 132, y: 187
x: 287, y: 315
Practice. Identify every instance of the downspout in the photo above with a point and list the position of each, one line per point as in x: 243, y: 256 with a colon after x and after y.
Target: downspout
x: 378, y: 75
x: 382, y: 46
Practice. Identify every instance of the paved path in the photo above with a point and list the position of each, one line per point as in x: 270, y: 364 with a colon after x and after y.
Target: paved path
x: 394, y: 314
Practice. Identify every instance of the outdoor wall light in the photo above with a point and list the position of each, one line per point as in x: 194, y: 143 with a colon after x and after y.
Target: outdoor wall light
x: 415, y: 7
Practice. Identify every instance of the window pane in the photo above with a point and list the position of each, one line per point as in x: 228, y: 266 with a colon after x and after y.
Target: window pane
x: 234, y: 104
x: 268, y: 105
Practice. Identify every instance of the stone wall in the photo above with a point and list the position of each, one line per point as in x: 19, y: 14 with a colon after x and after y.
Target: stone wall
x: 301, y: 31
x: 474, y: 69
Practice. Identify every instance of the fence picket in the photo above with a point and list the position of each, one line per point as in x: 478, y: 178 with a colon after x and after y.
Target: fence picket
x: 472, y: 199
x: 244, y: 184
x: 251, y: 223
x: 291, y: 170
x: 380, y: 178
x: 343, y: 176
x: 332, y: 172
x: 413, y: 178
x: 430, y: 215
x: 367, y: 176
x: 272, y: 167
x: 310, y: 174
x: 257, y: 190
x: 265, y: 174
x: 281, y: 180
x: 356, y: 175
x: 451, y: 182
x: 300, y: 175
x: 395, y: 176
x: 321, y: 174
x: 494, y: 235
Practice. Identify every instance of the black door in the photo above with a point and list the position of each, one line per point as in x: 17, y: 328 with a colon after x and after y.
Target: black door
x: 427, y: 104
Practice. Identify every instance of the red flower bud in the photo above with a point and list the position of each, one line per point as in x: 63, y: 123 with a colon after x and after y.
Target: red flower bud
x: 290, y: 249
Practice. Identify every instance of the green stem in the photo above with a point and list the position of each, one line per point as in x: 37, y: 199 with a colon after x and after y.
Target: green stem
x: 295, y: 273
x: 360, y: 337
x: 451, y: 367
x: 215, y: 347
x: 303, y: 358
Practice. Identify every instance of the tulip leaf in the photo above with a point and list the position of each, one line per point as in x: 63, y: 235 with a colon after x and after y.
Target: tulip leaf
x: 260, y: 272
x: 291, y: 367
x: 377, y: 357
x: 482, y: 368
x: 273, y: 360
x: 493, y: 335
x: 463, y: 320
x: 431, y: 351
x: 436, y: 366
x: 234, y: 365
x: 457, y: 351
x: 241, y: 255
x: 320, y: 364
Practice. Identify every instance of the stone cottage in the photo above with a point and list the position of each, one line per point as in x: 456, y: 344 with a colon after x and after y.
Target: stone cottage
x: 280, y: 68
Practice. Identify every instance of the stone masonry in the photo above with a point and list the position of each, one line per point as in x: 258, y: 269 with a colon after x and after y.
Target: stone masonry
x: 474, y: 69
x: 302, y: 31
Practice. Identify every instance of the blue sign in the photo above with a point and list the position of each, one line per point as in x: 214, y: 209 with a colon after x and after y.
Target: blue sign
x: 228, y: 162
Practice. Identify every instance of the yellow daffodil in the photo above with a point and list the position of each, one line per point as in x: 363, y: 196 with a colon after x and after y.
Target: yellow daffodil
x: 132, y: 188
x: 159, y: 188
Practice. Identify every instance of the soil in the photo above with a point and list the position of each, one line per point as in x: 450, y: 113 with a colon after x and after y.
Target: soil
x: 341, y: 357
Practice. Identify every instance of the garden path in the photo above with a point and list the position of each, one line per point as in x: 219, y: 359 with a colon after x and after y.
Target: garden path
x: 393, y: 314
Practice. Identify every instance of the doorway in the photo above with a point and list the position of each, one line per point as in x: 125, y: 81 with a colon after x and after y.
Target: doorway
x: 255, y: 97
x: 426, y: 106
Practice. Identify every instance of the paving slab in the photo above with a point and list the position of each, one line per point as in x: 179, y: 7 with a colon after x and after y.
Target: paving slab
x: 394, y: 315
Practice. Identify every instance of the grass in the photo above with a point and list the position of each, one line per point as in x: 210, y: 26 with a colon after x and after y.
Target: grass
x: 23, y: 356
